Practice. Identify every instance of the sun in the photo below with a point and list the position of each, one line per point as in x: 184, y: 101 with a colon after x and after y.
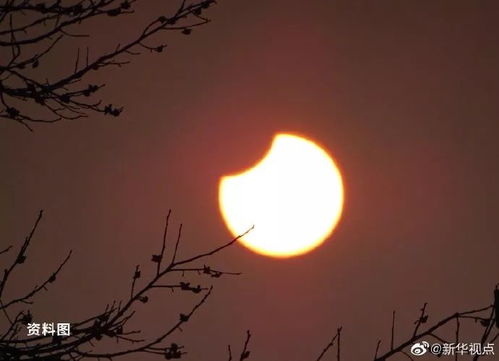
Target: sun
x: 293, y: 197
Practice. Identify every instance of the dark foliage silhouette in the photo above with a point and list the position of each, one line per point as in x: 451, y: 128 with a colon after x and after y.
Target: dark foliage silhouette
x: 32, y: 31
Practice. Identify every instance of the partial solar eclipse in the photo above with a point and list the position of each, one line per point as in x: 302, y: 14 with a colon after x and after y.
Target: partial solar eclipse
x: 293, y: 196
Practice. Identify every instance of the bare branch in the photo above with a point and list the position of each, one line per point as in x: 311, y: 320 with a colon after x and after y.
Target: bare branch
x: 113, y: 320
x: 40, y: 26
x: 330, y: 345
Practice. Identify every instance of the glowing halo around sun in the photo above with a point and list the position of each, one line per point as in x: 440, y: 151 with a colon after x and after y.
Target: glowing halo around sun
x: 293, y: 196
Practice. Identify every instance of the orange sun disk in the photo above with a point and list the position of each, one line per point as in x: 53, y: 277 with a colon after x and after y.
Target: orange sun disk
x: 293, y: 197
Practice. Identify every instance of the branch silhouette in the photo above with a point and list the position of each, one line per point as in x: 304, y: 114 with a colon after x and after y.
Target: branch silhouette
x: 112, y: 322
x: 29, y: 33
x: 480, y: 315
x: 245, y: 353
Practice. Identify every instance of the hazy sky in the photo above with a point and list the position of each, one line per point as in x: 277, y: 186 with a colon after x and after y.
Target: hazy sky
x: 403, y: 94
